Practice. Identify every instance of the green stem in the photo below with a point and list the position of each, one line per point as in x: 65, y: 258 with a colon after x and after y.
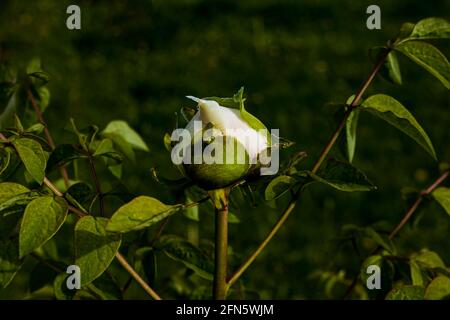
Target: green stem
x: 325, y: 151
x: 220, y: 254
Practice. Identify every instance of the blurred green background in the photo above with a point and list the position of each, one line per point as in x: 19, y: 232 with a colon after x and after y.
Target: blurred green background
x: 137, y: 60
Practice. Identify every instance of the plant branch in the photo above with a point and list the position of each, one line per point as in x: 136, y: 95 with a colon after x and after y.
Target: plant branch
x: 324, y: 153
x: 409, y: 213
x: 418, y: 201
x: 47, y: 134
x: 97, y: 184
x: 137, y: 277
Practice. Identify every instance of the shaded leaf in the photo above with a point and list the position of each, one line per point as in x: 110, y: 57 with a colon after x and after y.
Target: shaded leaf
x: 9, y: 260
x: 381, y: 240
x: 343, y: 176
x: 82, y: 193
x: 42, y: 274
x: 393, y: 112
x: 106, y: 288
x: 145, y: 262
x: 63, y: 154
x: 279, y: 186
x: 191, y: 256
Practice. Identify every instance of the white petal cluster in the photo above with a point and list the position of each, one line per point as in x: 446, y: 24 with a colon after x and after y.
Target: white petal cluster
x: 230, y: 123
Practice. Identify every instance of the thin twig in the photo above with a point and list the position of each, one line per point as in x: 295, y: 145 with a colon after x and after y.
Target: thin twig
x: 325, y: 151
x: 48, y: 136
x: 137, y: 277
x: 97, y: 184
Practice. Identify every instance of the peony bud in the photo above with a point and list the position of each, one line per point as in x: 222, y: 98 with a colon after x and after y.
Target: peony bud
x: 225, y: 144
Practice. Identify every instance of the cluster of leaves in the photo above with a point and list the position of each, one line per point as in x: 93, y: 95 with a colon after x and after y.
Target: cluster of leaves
x: 429, y: 277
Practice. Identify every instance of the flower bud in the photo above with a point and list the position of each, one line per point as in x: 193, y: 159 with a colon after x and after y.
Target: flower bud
x: 224, y: 146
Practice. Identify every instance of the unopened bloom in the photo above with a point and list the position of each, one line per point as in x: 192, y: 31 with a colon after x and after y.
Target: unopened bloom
x: 231, y: 143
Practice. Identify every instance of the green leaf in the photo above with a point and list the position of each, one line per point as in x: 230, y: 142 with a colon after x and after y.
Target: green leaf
x: 8, y: 190
x: 17, y: 203
x: 393, y: 112
x: 106, y: 288
x: 60, y: 287
x: 32, y: 156
x: 428, y: 57
x: 35, y: 128
x: 393, y: 68
x: 42, y: 219
x: 438, y: 289
x: 442, y: 196
x: 192, y: 257
x: 405, y: 30
x: 140, y: 213
x: 406, y: 293
x: 43, y: 95
x: 94, y: 247
x: 380, y: 240
x: 63, y: 154
x: 116, y: 170
x: 343, y: 176
x: 350, y: 134
x: 145, y: 262
x: 81, y: 193
x: 18, y: 124
x: 34, y: 65
x: 278, y: 187
x: 85, y: 136
x: 416, y: 273
x: 43, y: 76
x: 9, y: 261
x: 431, y: 28
x: 106, y: 149
x: 428, y: 259
x: 5, y: 158
x: 119, y: 128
